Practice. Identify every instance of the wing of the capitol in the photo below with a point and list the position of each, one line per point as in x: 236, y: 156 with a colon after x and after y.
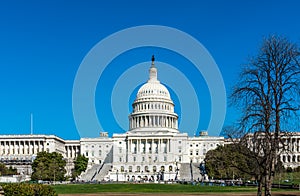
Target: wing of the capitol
x: 152, y: 149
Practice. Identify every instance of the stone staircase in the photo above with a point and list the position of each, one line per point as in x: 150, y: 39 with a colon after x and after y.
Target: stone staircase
x: 90, y: 173
x: 196, y: 171
x: 103, y: 172
x: 189, y: 172
x: 185, y: 172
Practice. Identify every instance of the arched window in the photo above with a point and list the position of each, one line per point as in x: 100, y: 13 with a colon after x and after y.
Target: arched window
x: 154, y: 168
x: 170, y: 168
x: 130, y: 168
x: 138, y: 168
x: 162, y: 168
x: 122, y: 168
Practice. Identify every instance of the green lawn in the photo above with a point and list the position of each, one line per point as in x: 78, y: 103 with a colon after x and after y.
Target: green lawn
x: 145, y: 188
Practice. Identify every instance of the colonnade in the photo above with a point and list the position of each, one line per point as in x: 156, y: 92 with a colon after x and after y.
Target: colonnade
x: 149, y: 146
x: 153, y: 121
x: 72, y: 151
x: 25, y: 147
x: 290, y: 158
x: 292, y: 144
x: 138, y: 107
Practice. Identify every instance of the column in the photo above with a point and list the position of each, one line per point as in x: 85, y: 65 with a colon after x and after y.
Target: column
x: 159, y: 147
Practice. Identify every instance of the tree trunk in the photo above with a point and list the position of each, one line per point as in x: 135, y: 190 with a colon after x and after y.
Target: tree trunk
x: 259, y: 187
x: 268, y: 185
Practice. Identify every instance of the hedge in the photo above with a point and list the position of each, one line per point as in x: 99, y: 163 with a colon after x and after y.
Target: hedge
x: 22, y: 189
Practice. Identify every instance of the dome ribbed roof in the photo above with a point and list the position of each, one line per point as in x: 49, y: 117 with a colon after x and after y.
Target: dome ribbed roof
x: 153, y: 89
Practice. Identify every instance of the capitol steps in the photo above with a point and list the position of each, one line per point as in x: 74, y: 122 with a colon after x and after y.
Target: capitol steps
x: 196, y: 171
x: 185, y: 172
x: 190, y: 172
x: 90, y: 173
x: 103, y: 172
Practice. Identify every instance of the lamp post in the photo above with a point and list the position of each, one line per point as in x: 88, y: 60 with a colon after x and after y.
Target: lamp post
x: 117, y: 175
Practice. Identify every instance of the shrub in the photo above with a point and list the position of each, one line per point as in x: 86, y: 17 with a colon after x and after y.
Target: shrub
x: 22, y: 189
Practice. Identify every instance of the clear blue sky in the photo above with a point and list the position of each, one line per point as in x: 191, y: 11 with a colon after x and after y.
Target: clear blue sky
x: 42, y: 44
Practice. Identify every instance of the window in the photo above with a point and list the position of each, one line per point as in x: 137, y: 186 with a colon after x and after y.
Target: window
x: 165, y: 158
x: 120, y: 159
x: 92, y: 153
x: 196, y: 145
x: 197, y: 152
x: 122, y: 168
x: 120, y: 150
x: 191, y: 145
x: 154, y: 168
x: 179, y: 158
x: 138, y: 168
x: 162, y: 168
x: 134, y: 159
x: 170, y: 168
x: 100, y: 152
x: 130, y: 168
x: 179, y: 141
x: 143, y: 159
x: 92, y: 146
x: 191, y: 152
x: 86, y: 153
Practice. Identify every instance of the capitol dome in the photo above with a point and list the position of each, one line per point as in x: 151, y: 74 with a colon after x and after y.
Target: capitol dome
x: 153, y: 89
x: 153, y: 107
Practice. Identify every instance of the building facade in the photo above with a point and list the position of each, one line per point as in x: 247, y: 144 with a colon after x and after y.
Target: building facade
x: 153, y: 149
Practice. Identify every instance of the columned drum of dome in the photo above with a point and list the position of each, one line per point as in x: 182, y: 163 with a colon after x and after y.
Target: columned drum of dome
x: 153, y: 108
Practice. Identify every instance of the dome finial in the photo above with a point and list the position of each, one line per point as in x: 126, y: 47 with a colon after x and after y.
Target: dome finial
x: 153, y: 71
x: 153, y: 59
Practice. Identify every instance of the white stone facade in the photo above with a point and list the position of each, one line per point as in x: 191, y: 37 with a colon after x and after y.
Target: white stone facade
x: 19, y: 151
x: 152, y: 149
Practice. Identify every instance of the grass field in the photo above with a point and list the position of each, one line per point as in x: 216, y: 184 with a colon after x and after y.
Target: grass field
x: 145, y: 188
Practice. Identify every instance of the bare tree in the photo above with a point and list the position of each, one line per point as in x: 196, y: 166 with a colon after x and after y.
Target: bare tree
x: 267, y: 94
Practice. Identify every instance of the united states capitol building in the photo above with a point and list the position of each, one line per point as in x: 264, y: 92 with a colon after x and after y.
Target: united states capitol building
x: 152, y: 149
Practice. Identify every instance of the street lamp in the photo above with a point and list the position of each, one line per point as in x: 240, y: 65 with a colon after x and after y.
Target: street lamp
x: 117, y: 175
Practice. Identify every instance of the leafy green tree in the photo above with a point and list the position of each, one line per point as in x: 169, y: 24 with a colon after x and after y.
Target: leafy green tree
x: 234, y: 161
x: 80, y: 165
x: 49, y: 167
x: 4, y: 171
x: 227, y: 162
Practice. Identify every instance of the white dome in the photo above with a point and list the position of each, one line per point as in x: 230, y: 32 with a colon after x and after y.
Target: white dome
x: 153, y: 108
x: 153, y: 89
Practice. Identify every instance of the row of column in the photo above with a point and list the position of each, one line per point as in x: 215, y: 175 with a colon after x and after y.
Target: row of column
x: 72, y: 151
x: 149, y: 146
x: 290, y: 158
x: 292, y: 144
x: 153, y: 121
x: 151, y: 106
x: 21, y: 147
